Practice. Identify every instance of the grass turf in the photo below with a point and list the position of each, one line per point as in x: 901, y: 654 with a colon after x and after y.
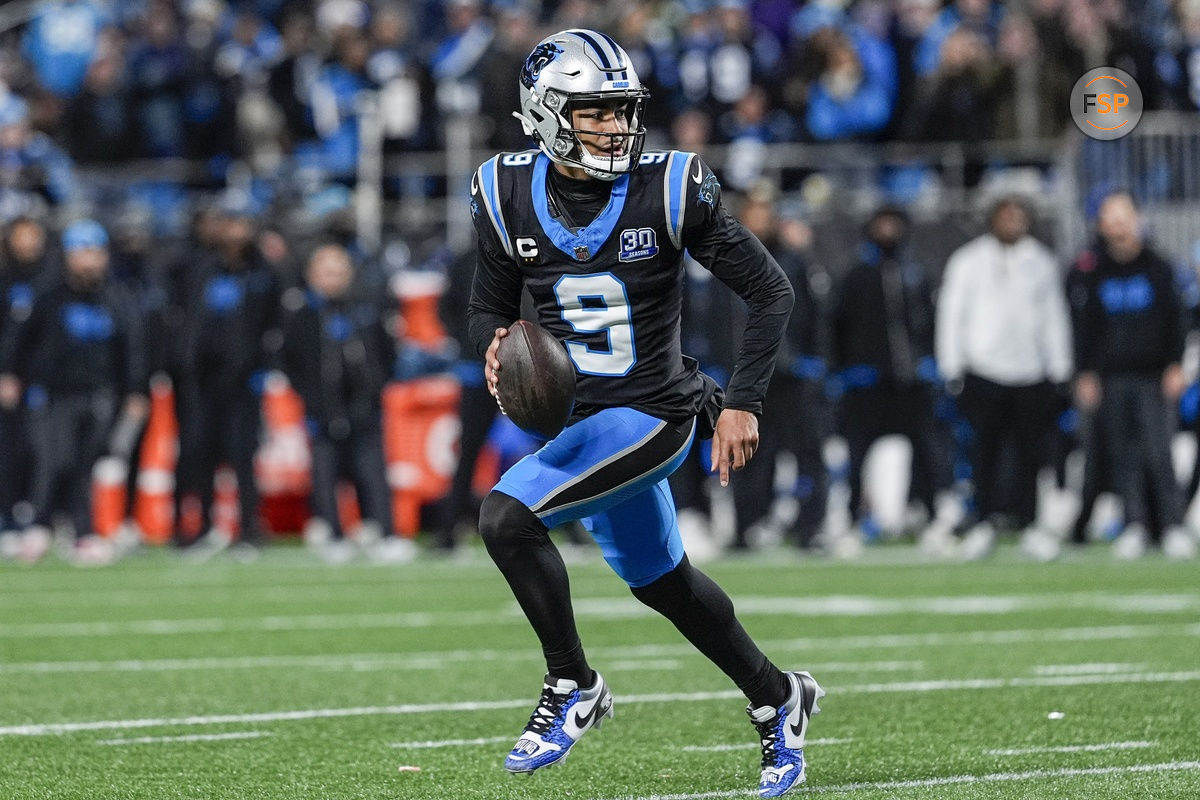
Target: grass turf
x: 292, y: 680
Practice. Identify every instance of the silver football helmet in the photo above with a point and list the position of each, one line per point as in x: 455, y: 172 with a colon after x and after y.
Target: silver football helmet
x: 581, y: 68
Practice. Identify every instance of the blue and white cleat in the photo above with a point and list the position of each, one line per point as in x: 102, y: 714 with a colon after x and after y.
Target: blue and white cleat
x: 564, y: 713
x: 782, y: 732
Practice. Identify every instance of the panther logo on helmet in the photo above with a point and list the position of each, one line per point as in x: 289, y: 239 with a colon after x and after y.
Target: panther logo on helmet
x: 542, y: 55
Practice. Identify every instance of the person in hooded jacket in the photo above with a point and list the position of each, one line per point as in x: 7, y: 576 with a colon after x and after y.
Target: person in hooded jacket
x: 228, y: 329
x: 78, y: 359
x: 338, y: 355
x: 26, y: 267
x: 882, y: 353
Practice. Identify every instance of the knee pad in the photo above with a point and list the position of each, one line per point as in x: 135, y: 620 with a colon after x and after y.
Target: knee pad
x: 505, y: 520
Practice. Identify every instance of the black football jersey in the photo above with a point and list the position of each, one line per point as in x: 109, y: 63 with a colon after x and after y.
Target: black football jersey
x: 612, y: 291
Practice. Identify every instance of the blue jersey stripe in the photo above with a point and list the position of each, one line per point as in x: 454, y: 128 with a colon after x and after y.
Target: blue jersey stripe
x: 594, y: 235
x: 487, y: 174
x: 676, y: 178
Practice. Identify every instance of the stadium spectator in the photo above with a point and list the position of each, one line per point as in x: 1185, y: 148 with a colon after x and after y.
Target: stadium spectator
x: 210, y: 122
x: 78, y: 359
x: 882, y: 356
x: 1187, y: 54
x: 748, y: 127
x: 62, y: 39
x: 403, y: 80
x: 32, y: 167
x: 855, y: 88
x: 651, y: 47
x: 708, y: 305
x: 476, y: 410
x: 515, y: 36
x: 338, y: 355
x: 26, y: 269
x: 98, y: 124
x: 232, y: 300
x: 456, y: 58
x: 291, y: 79
x: 793, y: 419
x: 159, y: 66
x: 1129, y: 345
x: 1003, y: 342
x: 955, y: 101
x: 335, y: 98
x: 980, y: 18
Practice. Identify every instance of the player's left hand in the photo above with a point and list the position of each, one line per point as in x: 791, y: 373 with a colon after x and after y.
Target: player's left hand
x: 733, y: 442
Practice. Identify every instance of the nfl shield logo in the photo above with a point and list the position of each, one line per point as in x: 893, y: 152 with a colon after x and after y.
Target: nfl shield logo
x: 582, y: 253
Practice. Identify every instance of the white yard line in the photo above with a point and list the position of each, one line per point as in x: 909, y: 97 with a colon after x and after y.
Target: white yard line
x: 721, y: 748
x: 1073, y: 748
x: 199, y: 737
x: 647, y: 665
x: 1087, y: 669
x: 451, y: 743
x: 616, y: 609
x: 631, y: 659
x: 41, y: 729
x: 995, y: 777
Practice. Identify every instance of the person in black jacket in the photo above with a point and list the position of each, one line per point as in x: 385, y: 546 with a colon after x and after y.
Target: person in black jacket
x: 794, y: 410
x: 232, y: 306
x: 79, y: 356
x: 338, y: 355
x: 25, y: 269
x: 882, y: 349
x: 1129, y: 344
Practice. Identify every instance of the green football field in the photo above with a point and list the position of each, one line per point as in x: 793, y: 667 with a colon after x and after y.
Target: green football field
x: 161, y: 679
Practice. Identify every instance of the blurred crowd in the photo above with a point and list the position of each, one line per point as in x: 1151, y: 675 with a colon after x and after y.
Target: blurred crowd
x: 278, y: 84
x: 1027, y: 389
x: 175, y: 187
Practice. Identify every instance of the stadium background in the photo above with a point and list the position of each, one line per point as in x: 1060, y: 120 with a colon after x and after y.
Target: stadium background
x: 362, y: 121
x: 163, y: 677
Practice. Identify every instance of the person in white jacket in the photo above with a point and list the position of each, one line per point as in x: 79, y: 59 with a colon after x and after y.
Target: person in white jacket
x: 1003, y: 344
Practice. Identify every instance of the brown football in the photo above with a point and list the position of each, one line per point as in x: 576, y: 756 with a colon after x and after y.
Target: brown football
x: 536, y: 383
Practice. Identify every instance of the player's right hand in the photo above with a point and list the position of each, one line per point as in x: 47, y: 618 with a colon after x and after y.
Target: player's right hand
x: 491, y: 364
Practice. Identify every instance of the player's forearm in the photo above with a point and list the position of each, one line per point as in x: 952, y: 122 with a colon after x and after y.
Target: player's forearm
x: 766, y: 322
x: 495, y: 299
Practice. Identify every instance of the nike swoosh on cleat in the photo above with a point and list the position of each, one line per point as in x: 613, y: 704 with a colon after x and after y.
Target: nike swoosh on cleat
x: 583, y: 720
x: 798, y: 730
x: 699, y: 172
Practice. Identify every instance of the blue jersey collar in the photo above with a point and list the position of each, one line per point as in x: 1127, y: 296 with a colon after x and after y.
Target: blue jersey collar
x: 589, y: 240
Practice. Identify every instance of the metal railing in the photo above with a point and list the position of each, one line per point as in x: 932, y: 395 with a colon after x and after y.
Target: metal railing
x: 1159, y: 162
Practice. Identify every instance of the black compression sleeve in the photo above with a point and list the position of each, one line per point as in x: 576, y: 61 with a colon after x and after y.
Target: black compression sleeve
x: 739, y: 260
x: 495, y: 297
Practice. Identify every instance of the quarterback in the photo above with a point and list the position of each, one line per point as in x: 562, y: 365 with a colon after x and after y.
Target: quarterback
x: 595, y: 229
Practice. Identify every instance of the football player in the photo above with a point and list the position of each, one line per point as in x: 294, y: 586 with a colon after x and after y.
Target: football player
x: 595, y: 229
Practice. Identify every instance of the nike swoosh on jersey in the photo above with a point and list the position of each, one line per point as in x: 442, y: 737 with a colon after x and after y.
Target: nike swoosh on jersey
x: 699, y: 172
x: 474, y: 183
